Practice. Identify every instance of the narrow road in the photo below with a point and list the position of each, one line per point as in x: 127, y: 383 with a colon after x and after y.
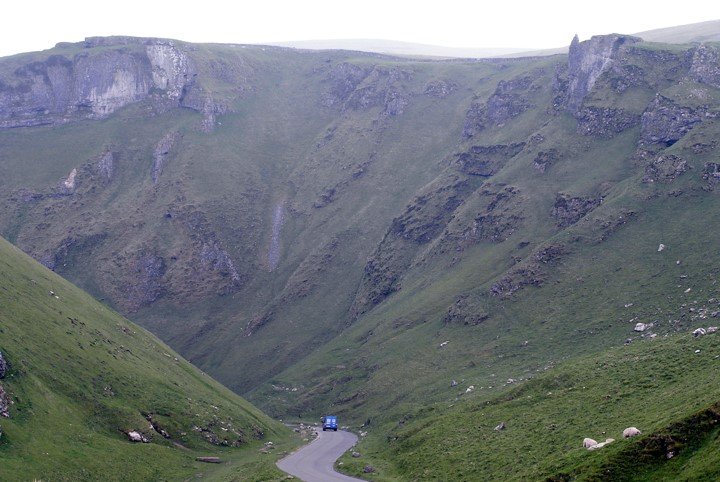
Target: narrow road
x: 314, y: 462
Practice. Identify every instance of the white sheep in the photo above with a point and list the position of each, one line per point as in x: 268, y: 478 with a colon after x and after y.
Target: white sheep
x: 631, y: 432
x: 588, y: 442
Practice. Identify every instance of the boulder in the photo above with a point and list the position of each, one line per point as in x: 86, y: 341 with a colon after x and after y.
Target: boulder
x: 710, y: 329
x: 369, y: 469
x: 356, y: 455
x: 500, y: 427
x: 135, y: 436
x: 631, y: 432
x: 699, y: 332
x: 640, y: 327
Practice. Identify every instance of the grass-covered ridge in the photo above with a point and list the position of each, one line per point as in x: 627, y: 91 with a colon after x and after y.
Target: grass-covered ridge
x: 82, y: 377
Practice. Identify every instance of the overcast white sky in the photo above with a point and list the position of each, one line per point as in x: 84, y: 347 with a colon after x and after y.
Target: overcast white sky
x: 38, y: 25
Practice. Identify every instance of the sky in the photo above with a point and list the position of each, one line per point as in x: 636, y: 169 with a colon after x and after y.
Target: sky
x: 38, y: 25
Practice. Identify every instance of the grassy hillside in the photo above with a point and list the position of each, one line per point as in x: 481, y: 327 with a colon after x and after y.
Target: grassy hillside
x: 82, y: 377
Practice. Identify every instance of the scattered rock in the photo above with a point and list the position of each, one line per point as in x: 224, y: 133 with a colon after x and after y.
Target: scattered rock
x: 640, y: 327
x: 544, y: 159
x: 470, y: 389
x: 710, y: 329
x: 356, y: 455
x: 631, y: 432
x: 661, y: 247
x: 369, y: 469
x: 444, y: 343
x: 453, y: 383
x: 500, y: 426
x: 699, y: 332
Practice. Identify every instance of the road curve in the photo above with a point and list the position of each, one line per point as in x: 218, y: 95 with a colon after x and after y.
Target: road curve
x: 314, y: 462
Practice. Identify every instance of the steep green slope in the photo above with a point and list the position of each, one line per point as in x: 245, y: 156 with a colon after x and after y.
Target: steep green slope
x: 664, y: 386
x: 82, y: 377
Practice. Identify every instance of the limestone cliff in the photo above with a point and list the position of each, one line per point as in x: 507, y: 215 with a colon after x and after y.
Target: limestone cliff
x: 103, y: 76
x: 587, y: 61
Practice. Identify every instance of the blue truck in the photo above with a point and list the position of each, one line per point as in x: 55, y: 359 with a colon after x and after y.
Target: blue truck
x: 329, y: 422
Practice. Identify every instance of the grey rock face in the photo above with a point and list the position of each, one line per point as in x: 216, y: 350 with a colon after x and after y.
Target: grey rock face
x: 705, y: 65
x: 665, y: 122
x: 95, y: 82
x: 587, y: 61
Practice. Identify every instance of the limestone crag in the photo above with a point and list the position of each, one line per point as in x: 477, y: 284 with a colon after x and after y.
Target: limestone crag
x: 486, y: 160
x: 587, y: 61
x: 95, y: 82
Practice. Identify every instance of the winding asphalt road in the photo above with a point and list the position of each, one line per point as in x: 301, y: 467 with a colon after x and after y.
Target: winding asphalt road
x: 314, y: 462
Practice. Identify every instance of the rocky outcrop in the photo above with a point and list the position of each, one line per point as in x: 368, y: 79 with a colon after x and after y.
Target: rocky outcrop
x: 439, y: 88
x: 665, y: 169
x: 359, y: 88
x: 106, y: 165
x: 711, y: 174
x: 423, y: 220
x: 147, y: 272
x: 604, y: 122
x: 95, y: 82
x: 68, y: 185
x: 486, y: 160
x: 705, y: 67
x: 5, y: 402
x: 532, y: 272
x: 570, y: 209
x: 465, y: 311
x: 492, y: 213
x: 4, y: 366
x: 587, y: 61
x: 161, y: 153
x: 544, y: 159
x: 665, y: 122
x: 510, y: 99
